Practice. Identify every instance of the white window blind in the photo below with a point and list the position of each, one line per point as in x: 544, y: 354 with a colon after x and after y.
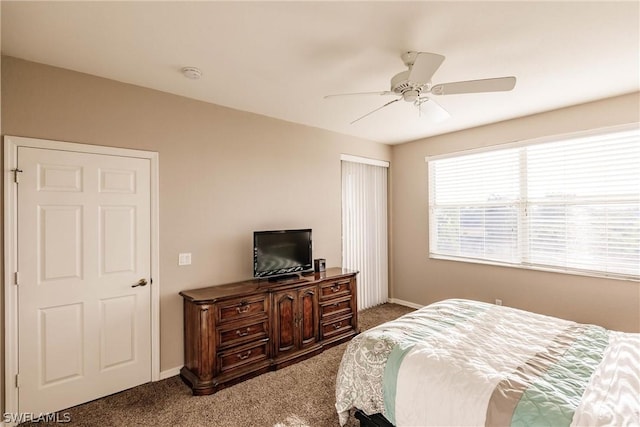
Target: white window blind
x: 364, y: 229
x: 570, y: 205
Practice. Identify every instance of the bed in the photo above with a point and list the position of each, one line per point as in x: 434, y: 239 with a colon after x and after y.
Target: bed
x: 468, y: 363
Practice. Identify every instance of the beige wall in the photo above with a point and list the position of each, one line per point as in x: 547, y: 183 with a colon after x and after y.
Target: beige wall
x: 223, y: 173
x: 614, y: 304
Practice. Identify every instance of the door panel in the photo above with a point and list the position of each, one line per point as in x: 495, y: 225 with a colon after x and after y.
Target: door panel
x: 117, y: 239
x: 59, y: 178
x: 117, y: 181
x: 83, y: 241
x: 61, y: 346
x: 285, y: 336
x: 118, y: 326
x: 308, y: 316
x: 59, y: 245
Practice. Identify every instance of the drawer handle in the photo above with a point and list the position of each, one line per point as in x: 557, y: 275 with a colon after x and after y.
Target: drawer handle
x: 242, y: 334
x: 335, y: 288
x: 337, y: 325
x: 245, y: 355
x: 335, y: 304
x: 243, y: 308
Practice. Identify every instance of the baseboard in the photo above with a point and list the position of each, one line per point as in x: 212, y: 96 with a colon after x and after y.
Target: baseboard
x: 170, y: 373
x: 405, y: 303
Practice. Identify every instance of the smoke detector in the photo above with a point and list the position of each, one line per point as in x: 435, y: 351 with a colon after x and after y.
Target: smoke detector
x: 192, y: 73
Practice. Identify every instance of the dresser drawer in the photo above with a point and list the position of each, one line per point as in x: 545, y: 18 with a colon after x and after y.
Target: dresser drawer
x: 241, y: 356
x: 337, y: 326
x: 241, y: 308
x: 335, y: 289
x: 237, y: 333
x: 335, y: 307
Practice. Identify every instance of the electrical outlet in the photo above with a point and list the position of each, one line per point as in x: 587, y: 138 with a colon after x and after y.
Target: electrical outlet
x: 184, y: 259
x: 498, y: 301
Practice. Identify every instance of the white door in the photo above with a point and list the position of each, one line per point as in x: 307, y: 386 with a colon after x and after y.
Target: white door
x: 84, y: 328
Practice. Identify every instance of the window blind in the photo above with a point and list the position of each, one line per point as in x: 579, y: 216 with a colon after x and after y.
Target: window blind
x: 364, y: 229
x: 570, y: 205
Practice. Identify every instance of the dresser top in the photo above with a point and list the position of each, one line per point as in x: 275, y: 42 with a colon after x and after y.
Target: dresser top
x: 254, y: 286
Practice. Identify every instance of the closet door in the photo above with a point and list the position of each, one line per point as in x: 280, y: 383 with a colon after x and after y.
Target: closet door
x: 84, y: 264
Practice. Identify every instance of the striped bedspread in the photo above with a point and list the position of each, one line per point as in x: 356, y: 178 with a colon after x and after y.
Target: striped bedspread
x: 466, y: 363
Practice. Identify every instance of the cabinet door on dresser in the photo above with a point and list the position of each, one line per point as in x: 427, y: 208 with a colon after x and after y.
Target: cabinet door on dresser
x: 308, y: 316
x: 295, y: 320
x: 284, y: 321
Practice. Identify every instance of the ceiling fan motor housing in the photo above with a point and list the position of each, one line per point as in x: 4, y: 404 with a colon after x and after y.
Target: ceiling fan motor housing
x: 400, y: 84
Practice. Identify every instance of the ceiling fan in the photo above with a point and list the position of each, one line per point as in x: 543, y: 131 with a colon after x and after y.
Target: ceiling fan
x: 414, y: 84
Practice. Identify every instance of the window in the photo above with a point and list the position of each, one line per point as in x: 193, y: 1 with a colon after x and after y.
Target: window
x: 571, y: 205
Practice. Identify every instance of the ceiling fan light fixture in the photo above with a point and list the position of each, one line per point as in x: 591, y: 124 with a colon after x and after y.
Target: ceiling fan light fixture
x: 192, y: 73
x: 410, y: 95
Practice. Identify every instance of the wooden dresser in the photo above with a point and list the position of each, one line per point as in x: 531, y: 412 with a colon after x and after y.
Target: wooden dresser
x: 239, y: 330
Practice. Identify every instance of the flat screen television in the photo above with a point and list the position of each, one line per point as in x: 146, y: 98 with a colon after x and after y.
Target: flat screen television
x: 281, y: 252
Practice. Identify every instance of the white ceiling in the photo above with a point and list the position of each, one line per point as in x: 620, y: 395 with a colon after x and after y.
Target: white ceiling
x: 279, y: 59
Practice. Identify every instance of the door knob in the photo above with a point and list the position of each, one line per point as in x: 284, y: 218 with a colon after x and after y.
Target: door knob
x: 141, y: 282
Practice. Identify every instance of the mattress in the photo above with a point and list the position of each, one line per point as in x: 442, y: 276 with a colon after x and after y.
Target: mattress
x: 468, y: 363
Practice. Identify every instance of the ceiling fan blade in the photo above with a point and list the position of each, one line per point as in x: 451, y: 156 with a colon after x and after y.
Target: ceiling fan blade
x: 498, y: 84
x: 377, y: 109
x: 385, y: 92
x: 433, y: 111
x: 424, y: 67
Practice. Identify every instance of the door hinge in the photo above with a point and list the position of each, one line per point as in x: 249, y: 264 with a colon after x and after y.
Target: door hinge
x: 16, y: 278
x: 16, y: 171
x: 17, y: 380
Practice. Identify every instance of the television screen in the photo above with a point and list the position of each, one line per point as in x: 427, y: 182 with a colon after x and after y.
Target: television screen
x: 281, y: 252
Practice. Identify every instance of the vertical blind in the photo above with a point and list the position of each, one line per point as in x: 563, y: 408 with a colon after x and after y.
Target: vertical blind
x: 570, y: 205
x: 364, y: 229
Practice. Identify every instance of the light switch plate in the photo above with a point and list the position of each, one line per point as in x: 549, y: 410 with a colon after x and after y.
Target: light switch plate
x: 184, y: 259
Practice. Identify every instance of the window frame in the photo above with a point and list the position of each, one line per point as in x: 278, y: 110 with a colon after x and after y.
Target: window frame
x: 522, y: 233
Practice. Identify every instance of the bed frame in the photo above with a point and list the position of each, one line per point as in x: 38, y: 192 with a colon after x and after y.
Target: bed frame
x: 375, y: 420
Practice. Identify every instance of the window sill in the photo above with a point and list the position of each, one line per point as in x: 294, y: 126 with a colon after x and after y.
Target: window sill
x: 594, y: 274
